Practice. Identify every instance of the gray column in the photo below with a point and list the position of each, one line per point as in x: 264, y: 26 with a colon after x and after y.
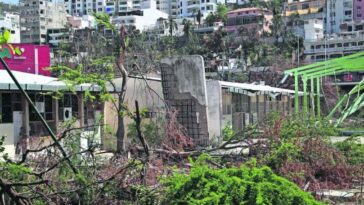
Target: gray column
x: 81, y: 114
x: 26, y: 127
x: 257, y: 104
x: 55, y: 111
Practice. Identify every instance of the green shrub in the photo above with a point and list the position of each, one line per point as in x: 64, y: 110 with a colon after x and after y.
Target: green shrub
x: 244, y: 185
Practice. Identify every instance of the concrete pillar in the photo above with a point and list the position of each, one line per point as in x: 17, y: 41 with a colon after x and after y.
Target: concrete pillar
x: 81, y: 105
x: 265, y: 105
x: 55, y: 111
x: 257, y: 104
x: 26, y: 126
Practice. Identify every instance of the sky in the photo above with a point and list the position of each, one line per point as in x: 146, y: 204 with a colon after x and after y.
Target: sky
x: 11, y: 1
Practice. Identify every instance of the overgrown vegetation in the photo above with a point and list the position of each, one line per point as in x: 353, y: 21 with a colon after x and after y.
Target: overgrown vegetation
x: 300, y: 149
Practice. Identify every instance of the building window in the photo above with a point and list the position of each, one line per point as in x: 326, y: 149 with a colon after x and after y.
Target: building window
x: 347, y: 12
x: 44, y: 105
x: 6, y: 108
x: 339, y: 45
x: 293, y: 8
x: 359, y: 28
x: 305, y: 6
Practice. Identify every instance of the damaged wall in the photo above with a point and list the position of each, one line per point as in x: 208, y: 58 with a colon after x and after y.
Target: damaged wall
x: 184, y: 88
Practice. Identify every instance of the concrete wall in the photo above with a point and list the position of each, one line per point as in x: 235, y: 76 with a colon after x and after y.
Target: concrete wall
x: 214, y: 108
x: 7, y: 130
x: 137, y: 89
x: 184, y: 88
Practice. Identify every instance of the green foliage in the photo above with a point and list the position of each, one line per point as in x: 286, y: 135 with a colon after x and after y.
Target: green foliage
x: 352, y: 150
x: 104, y: 20
x: 244, y: 185
x: 228, y: 132
x: 5, y: 37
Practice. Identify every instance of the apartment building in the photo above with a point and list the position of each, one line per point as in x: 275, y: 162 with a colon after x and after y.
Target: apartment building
x: 84, y: 7
x: 122, y: 7
x: 11, y: 22
x: 337, y: 13
x: 249, y: 18
x: 358, y: 10
x: 37, y: 16
x: 334, y: 46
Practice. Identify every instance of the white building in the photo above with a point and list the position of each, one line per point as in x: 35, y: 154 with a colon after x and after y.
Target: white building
x: 168, y: 6
x: 338, y: 12
x: 147, y: 18
x: 86, y: 21
x: 11, y: 22
x: 84, y: 7
x: 37, y: 16
x: 190, y: 8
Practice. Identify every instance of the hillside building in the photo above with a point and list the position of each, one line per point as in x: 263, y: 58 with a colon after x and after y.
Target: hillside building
x: 37, y: 16
x: 11, y: 22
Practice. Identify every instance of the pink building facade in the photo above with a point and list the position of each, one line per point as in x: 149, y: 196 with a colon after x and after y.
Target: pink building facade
x: 249, y: 18
x: 358, y: 10
x: 27, y: 58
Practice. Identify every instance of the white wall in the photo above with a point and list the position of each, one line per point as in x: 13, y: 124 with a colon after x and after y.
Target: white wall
x: 214, y: 111
x: 7, y: 130
x: 313, y: 29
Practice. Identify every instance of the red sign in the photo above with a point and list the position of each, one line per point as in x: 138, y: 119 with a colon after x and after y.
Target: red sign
x: 27, y: 58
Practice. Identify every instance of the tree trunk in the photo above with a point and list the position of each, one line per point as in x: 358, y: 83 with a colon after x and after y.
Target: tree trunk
x: 120, y: 133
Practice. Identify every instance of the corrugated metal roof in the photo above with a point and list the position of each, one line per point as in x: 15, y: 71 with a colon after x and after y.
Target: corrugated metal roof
x: 253, y: 87
x: 38, y: 82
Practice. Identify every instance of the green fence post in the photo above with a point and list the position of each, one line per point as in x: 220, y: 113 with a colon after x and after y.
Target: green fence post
x: 296, y: 101
x: 312, y: 96
x: 318, y: 97
x: 305, y: 108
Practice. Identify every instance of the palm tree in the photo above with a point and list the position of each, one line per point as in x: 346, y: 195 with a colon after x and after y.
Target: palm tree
x: 187, y: 28
x: 172, y: 25
x: 198, y: 17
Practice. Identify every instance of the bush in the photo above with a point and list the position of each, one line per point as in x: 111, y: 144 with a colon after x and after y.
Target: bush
x: 287, y: 127
x: 244, y: 185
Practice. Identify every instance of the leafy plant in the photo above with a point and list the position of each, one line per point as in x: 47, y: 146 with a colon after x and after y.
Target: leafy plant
x: 245, y: 185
